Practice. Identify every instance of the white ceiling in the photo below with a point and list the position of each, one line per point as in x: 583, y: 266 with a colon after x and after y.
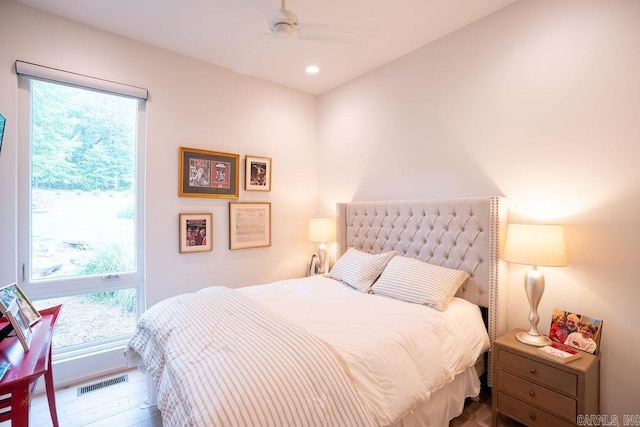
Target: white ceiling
x: 345, y: 38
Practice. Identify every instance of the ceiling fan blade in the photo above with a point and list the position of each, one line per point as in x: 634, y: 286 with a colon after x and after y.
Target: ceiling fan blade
x: 333, y: 34
x: 249, y: 64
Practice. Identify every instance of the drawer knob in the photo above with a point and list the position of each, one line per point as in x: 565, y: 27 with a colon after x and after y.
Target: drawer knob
x: 532, y: 370
x: 532, y: 393
x: 532, y: 416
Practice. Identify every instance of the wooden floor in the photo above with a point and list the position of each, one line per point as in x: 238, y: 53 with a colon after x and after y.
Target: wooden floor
x: 122, y: 405
x: 118, y: 405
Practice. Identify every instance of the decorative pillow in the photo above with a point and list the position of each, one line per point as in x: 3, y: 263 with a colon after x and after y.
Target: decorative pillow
x: 412, y: 280
x: 360, y: 269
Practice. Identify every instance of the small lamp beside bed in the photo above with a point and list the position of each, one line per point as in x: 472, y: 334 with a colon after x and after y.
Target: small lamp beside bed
x: 535, y: 245
x: 322, y: 231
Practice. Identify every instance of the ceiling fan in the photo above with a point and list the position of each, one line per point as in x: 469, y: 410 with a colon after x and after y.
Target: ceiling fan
x: 284, y: 24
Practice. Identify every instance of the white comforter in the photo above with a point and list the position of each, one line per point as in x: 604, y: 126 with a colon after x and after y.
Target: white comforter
x: 395, y: 353
x: 398, y: 353
x: 221, y: 359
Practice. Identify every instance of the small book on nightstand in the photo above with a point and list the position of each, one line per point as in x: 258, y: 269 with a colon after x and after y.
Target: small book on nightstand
x: 559, y: 352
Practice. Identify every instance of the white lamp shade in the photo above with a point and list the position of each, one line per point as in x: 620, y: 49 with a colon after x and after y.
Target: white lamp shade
x: 536, y: 244
x: 322, y: 230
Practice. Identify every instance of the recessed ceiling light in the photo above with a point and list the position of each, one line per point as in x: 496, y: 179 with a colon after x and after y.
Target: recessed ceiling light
x: 313, y: 69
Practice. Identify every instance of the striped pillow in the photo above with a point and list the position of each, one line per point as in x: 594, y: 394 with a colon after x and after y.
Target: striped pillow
x: 412, y: 280
x: 359, y: 269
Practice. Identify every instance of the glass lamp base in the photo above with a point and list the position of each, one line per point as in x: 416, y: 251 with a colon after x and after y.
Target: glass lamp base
x: 535, y: 340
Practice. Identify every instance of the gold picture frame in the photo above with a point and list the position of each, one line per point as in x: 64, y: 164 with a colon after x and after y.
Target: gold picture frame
x: 205, y: 173
x: 196, y: 232
x: 257, y: 173
x: 249, y: 225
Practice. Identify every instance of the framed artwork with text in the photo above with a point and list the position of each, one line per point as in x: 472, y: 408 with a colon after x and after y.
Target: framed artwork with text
x: 249, y: 225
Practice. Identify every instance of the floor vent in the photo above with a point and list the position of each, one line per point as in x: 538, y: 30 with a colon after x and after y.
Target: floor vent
x: 102, y: 384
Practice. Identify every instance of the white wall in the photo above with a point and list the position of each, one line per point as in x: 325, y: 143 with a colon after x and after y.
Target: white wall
x: 538, y: 102
x: 191, y: 104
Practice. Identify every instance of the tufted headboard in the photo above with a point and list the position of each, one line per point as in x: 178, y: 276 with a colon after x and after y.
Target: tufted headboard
x: 462, y: 233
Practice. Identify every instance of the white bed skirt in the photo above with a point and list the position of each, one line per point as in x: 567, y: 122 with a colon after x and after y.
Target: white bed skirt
x: 444, y: 405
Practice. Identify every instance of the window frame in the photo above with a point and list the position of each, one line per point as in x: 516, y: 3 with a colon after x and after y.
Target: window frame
x: 70, y: 286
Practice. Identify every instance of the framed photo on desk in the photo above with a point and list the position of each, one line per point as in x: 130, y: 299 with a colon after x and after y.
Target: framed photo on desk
x: 9, y: 293
x: 23, y: 331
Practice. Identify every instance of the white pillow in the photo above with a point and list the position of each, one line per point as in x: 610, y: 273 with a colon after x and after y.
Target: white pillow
x: 360, y: 269
x: 412, y: 280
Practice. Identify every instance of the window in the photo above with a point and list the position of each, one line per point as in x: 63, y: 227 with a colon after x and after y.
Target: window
x: 81, y: 199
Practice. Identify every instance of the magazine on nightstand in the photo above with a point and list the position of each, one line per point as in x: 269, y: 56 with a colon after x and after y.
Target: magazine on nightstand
x: 559, y: 352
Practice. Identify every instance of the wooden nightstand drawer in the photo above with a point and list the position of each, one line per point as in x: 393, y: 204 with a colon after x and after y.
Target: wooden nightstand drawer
x: 534, y: 394
x: 528, y: 414
x: 540, y: 392
x: 539, y: 372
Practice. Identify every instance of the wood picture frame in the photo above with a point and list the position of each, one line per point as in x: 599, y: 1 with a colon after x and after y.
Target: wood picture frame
x: 196, y: 232
x: 14, y: 292
x: 19, y: 324
x: 257, y: 173
x: 249, y: 225
x: 205, y: 173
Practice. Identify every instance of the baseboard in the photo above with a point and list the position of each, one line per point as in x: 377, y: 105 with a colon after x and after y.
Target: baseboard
x: 73, y: 370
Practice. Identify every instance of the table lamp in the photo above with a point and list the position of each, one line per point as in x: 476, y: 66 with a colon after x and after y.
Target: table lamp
x: 535, y: 245
x: 322, y: 230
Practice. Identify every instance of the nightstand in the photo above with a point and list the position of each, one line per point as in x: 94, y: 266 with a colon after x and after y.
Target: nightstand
x: 540, y: 392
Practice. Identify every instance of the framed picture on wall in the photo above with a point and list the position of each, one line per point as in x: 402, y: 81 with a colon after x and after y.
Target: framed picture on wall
x: 206, y: 173
x: 196, y: 232
x: 249, y: 225
x: 257, y: 173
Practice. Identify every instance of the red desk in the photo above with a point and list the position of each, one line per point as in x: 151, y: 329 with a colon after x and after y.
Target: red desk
x: 18, y: 383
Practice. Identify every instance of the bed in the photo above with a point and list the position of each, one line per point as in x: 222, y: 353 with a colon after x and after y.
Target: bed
x: 366, y: 345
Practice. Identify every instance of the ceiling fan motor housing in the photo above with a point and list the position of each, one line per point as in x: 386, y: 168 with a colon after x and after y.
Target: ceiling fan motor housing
x: 285, y: 24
